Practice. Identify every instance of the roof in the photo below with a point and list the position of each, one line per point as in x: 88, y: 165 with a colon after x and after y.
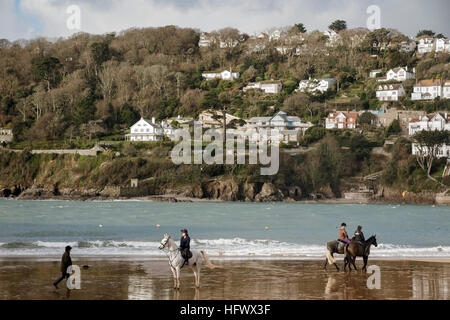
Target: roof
x: 395, y: 86
x: 353, y: 115
x: 428, y: 83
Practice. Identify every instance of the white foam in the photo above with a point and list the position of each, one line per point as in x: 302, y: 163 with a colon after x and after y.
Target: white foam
x: 236, y: 247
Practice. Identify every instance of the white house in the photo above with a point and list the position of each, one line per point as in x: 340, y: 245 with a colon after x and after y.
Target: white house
x: 290, y: 128
x: 446, y: 90
x: 427, y: 90
x: 341, y: 120
x: 271, y: 87
x: 146, y: 130
x: 205, y: 40
x: 313, y: 85
x: 443, y: 45
x: 224, y: 75
x: 407, y: 46
x: 6, y: 135
x: 390, y: 92
x: 425, y: 45
x: 438, y: 121
x: 444, y: 151
x: 212, y: 118
x: 374, y: 73
x: 399, y: 74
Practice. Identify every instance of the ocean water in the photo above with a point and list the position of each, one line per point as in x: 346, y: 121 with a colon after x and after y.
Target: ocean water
x: 126, y: 229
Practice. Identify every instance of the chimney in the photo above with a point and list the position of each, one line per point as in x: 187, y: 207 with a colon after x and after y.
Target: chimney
x: 153, y: 120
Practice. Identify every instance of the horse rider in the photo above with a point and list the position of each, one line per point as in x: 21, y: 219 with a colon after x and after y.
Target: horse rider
x: 359, y: 235
x: 343, y: 235
x: 185, y: 245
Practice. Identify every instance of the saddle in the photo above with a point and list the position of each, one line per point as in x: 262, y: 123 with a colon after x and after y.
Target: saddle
x: 341, y: 246
x: 186, y: 254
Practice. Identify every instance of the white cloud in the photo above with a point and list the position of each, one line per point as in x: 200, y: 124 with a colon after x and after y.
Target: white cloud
x: 249, y: 16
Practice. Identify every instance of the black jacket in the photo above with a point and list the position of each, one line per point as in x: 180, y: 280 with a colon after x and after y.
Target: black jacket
x: 66, y: 261
x: 185, y: 243
x: 359, y: 236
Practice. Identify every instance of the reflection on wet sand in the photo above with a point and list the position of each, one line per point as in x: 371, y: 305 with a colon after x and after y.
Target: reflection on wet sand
x: 151, y: 280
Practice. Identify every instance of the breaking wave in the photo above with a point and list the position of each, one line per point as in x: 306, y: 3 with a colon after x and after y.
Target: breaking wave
x: 218, y: 248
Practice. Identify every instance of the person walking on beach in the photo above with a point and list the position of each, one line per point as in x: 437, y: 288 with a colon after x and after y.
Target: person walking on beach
x: 359, y: 235
x: 66, y: 261
x: 185, y: 246
x: 343, y: 235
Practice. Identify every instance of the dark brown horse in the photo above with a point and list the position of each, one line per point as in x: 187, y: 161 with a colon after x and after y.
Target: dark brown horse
x: 357, y: 249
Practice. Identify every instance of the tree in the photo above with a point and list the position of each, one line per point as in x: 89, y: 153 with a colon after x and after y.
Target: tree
x: 367, y: 118
x: 47, y: 69
x: 338, y: 25
x: 428, y: 33
x: 107, y: 77
x: 299, y: 27
x: 394, y: 128
x: 428, y: 145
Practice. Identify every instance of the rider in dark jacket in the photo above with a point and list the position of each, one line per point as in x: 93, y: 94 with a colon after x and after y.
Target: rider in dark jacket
x: 185, y: 245
x: 359, y: 235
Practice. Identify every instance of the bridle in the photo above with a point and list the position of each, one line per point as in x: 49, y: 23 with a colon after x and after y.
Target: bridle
x: 169, y: 251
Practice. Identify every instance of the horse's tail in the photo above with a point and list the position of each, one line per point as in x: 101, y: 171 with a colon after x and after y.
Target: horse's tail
x: 330, y: 258
x: 205, y: 257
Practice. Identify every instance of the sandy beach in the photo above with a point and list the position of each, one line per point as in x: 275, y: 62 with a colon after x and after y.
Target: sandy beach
x: 112, y: 279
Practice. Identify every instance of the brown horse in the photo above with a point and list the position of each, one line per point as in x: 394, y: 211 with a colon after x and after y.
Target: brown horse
x: 357, y: 249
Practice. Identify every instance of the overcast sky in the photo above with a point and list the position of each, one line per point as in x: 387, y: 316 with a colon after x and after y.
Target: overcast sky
x: 25, y: 19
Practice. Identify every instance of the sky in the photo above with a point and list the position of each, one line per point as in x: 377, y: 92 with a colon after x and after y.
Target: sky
x: 27, y: 19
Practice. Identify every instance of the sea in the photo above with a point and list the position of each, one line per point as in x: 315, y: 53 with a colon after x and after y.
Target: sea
x: 225, y: 230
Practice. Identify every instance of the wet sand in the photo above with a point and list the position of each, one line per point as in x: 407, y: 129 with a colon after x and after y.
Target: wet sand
x: 276, y: 279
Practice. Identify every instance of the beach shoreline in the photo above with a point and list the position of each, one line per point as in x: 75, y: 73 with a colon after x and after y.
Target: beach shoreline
x: 241, y: 280
x: 176, y: 198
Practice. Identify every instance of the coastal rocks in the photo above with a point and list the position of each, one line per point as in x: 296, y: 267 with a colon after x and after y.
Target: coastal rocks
x: 269, y: 193
x: 195, y: 191
x: 5, y: 193
x: 227, y: 190
x: 294, y: 193
x: 249, y: 191
x: 35, y: 193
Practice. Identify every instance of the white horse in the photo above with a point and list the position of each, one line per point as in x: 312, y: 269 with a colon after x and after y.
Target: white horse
x: 176, y: 260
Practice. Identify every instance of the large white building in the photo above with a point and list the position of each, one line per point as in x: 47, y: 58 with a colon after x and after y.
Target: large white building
x: 290, y: 128
x: 313, y: 85
x: 390, y: 92
x: 425, y: 45
x: 438, y: 121
x: 427, y: 90
x: 224, y: 75
x: 146, y: 130
x: 399, y: 74
x: 443, y: 45
x: 271, y: 87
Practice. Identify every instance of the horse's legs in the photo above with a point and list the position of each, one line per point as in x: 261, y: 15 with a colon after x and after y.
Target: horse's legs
x: 178, y: 278
x: 174, y: 277
x: 365, y: 258
x: 198, y: 275
x: 353, y: 260
x: 195, y: 270
x: 325, y: 264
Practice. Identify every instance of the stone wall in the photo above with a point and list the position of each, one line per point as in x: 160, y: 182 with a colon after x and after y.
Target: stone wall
x: 442, y: 199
